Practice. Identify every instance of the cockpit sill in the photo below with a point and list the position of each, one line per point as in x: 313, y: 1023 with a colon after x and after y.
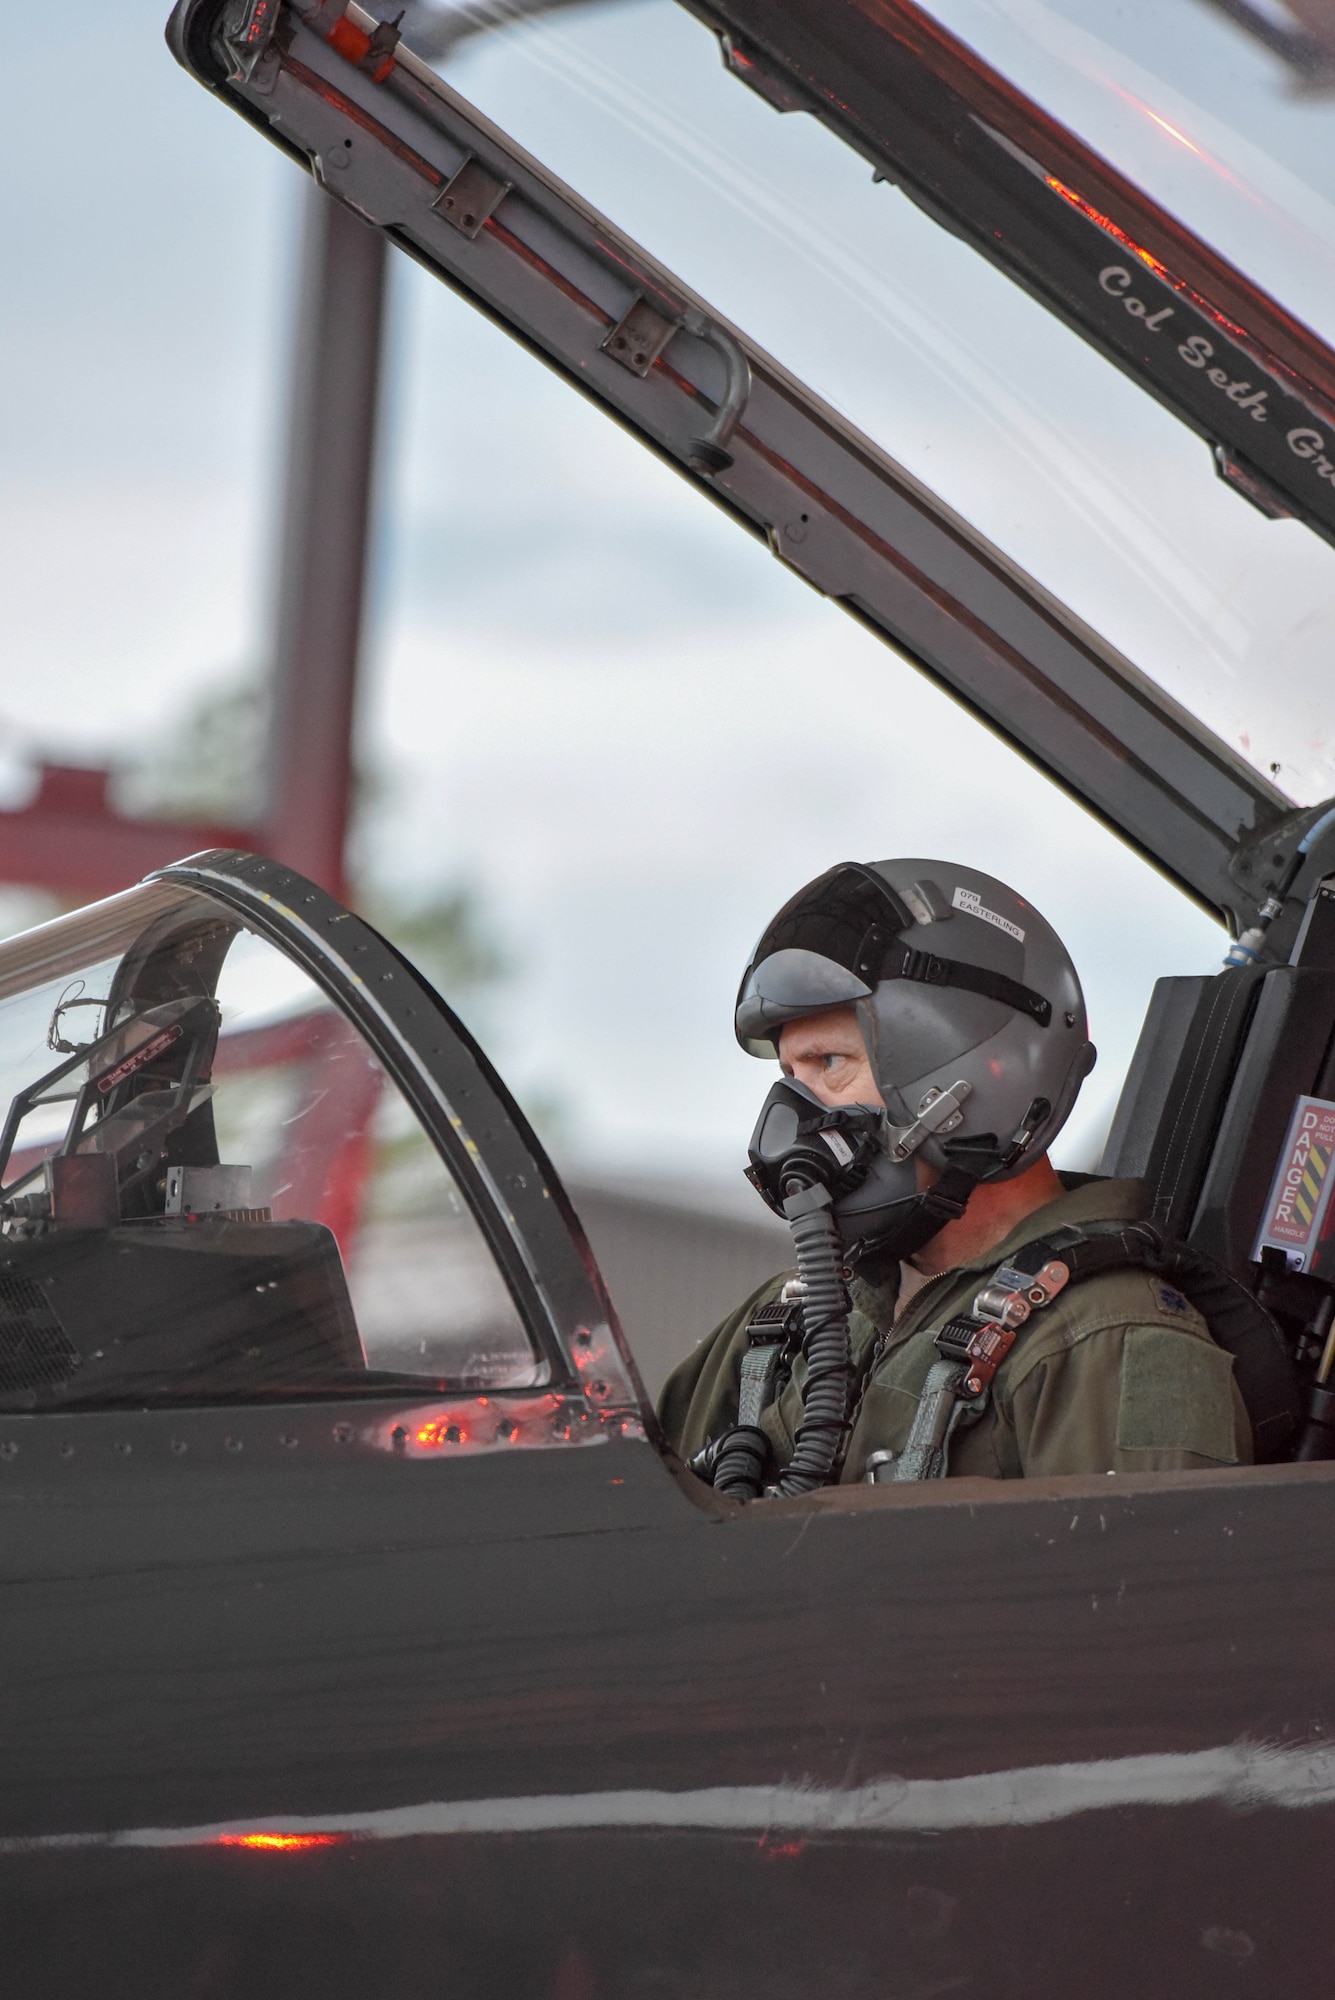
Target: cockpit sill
x: 441, y: 1430
x: 1090, y: 1496
x: 443, y: 1427
x: 447, y: 1430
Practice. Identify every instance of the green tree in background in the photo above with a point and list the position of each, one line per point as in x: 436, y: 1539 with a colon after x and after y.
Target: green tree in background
x: 209, y: 764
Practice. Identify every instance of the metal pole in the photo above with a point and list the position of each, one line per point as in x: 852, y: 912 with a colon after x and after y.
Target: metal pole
x: 324, y: 537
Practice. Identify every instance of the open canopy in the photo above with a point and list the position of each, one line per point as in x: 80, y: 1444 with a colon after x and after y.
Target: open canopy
x: 1028, y: 601
x: 1098, y: 242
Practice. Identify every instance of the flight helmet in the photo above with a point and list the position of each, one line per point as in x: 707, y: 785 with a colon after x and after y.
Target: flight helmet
x: 970, y: 1006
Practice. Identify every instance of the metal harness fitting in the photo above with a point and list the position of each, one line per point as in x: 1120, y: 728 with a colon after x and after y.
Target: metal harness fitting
x: 983, y: 1338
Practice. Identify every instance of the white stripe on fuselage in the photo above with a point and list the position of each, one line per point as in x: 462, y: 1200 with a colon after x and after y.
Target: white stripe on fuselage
x: 1240, y: 1776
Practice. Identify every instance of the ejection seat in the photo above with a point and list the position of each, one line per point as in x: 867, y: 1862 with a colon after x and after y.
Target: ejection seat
x: 1226, y: 1114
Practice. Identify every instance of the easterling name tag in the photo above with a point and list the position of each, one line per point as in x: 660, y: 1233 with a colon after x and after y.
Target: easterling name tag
x: 1300, y: 1192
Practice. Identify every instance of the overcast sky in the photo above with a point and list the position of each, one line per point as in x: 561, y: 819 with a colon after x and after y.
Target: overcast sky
x: 601, y: 704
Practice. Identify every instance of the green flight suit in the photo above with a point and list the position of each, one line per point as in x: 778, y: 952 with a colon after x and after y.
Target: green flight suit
x: 1118, y: 1374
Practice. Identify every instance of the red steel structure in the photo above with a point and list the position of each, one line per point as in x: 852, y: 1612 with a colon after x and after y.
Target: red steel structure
x: 70, y: 838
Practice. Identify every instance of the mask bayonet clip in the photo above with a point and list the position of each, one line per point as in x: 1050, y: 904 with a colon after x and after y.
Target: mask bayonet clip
x: 939, y: 1111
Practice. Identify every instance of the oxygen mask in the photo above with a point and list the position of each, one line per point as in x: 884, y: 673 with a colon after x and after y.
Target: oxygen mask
x: 866, y: 1167
x: 844, y: 1180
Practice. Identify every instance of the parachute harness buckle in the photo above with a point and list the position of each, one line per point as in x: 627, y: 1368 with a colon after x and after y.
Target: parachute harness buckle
x: 773, y: 1334
x: 982, y: 1339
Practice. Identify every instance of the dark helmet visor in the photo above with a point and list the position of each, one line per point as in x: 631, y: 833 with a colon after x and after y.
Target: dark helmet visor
x: 851, y: 918
x: 849, y: 915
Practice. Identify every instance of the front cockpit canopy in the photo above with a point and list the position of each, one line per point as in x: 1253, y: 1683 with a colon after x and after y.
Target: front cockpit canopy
x: 212, y: 1188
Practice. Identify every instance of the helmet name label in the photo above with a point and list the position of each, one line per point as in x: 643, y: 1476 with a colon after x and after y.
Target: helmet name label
x: 972, y: 904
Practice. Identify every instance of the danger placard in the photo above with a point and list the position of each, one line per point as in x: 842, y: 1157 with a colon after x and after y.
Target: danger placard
x: 1301, y: 1188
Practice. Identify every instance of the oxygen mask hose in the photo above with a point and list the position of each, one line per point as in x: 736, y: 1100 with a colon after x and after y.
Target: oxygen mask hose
x: 739, y: 1467
x: 804, y: 1155
x: 825, y: 1340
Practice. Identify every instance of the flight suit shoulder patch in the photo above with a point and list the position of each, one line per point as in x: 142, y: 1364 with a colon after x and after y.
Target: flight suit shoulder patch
x: 1175, y: 1395
x: 1102, y: 1305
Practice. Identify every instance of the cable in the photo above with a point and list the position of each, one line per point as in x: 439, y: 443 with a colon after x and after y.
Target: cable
x: 1246, y: 950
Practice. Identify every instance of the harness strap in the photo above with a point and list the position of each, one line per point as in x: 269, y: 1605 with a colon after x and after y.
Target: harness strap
x: 940, y: 1409
x: 1262, y: 1364
x: 760, y: 1365
x: 772, y: 1332
x: 903, y: 962
x: 973, y: 1345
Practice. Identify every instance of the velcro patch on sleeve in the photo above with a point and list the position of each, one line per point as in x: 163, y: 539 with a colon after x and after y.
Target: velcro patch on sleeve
x: 1176, y: 1395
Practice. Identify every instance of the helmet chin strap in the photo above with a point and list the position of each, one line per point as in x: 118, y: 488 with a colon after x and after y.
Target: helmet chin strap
x: 912, y: 1223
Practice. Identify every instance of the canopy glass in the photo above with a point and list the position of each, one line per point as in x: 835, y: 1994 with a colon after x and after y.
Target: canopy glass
x: 1068, y: 466
x: 1197, y: 107
x: 193, y: 1131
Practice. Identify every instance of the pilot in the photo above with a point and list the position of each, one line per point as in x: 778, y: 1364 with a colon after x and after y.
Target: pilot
x: 936, y: 992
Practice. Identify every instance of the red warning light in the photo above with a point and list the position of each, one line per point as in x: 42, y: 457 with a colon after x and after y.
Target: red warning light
x: 434, y: 1435
x: 279, y: 1843
x: 779, y: 1850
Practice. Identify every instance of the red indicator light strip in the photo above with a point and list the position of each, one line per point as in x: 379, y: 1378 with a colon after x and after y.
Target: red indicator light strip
x: 381, y: 134
x: 280, y: 1843
x: 1119, y: 235
x: 1106, y: 223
